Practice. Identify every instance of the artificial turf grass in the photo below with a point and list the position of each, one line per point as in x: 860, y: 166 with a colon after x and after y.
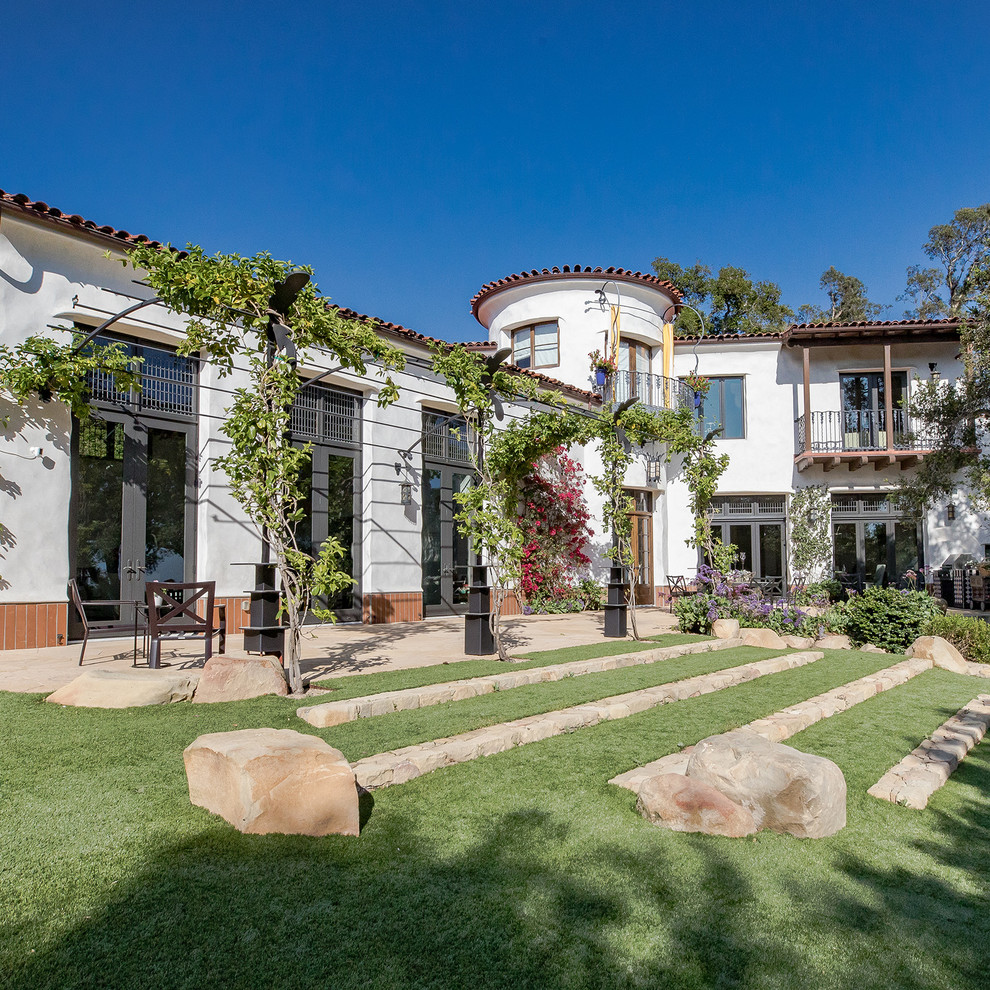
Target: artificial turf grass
x: 356, y: 685
x: 524, y: 869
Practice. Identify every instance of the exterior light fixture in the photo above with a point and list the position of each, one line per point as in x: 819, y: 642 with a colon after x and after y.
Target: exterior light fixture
x: 405, y: 493
x: 933, y: 369
x: 950, y: 512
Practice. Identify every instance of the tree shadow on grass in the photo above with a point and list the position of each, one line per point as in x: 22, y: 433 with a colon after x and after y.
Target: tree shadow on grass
x: 391, y: 911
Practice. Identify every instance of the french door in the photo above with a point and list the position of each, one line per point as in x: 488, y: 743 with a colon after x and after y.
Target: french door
x: 330, y: 509
x: 445, y: 549
x: 760, y: 548
x: 132, y: 513
x: 861, y: 547
x: 864, y: 408
x: 641, y: 539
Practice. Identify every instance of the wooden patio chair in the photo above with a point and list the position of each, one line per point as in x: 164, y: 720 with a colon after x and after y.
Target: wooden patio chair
x: 172, y: 614
x: 676, y: 588
x: 101, y: 625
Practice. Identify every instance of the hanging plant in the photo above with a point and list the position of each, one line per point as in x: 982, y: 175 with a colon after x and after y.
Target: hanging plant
x: 601, y: 364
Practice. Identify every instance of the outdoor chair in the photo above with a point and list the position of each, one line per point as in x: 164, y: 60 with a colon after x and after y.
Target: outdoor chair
x: 676, y: 588
x: 101, y: 625
x: 172, y: 614
x: 771, y: 588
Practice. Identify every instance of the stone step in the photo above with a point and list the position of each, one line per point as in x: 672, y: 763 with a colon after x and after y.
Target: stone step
x: 926, y: 768
x: 338, y: 712
x: 789, y: 721
x: 404, y: 764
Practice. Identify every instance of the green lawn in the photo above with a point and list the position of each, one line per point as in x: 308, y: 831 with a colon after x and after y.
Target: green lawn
x: 520, y: 870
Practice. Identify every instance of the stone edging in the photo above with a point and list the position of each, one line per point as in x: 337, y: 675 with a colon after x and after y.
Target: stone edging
x: 404, y: 764
x: 785, y: 723
x: 338, y: 712
x: 925, y: 769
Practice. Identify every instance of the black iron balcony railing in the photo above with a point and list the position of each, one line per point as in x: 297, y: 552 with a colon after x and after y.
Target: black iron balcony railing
x: 653, y: 391
x: 856, y: 430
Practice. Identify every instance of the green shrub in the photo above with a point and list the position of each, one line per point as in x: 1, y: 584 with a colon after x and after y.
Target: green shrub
x: 970, y: 636
x: 889, y: 618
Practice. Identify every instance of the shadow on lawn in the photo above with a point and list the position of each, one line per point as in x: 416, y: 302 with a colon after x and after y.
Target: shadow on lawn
x: 387, y: 911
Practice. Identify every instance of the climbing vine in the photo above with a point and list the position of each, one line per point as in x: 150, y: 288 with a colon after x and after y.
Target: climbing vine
x: 489, y: 512
x: 811, y: 544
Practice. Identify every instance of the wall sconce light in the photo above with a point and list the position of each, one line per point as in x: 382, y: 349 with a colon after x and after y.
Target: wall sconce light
x: 405, y: 493
x: 950, y: 512
x: 933, y: 369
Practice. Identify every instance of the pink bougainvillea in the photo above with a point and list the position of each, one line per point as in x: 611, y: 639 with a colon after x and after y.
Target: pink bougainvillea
x: 554, y: 519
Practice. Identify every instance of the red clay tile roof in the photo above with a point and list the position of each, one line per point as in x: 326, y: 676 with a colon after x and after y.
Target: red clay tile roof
x: 36, y: 208
x: 730, y: 337
x: 920, y: 331
x: 870, y: 324
x: 54, y: 215
x: 575, y: 271
x: 399, y: 331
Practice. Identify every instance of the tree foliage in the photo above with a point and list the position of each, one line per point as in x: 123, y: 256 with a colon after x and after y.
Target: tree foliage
x: 954, y: 417
x: 960, y: 251
x: 228, y: 299
x: 732, y: 303
x: 847, y: 301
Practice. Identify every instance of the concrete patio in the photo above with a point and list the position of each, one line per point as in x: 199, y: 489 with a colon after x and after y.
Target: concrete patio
x: 329, y: 651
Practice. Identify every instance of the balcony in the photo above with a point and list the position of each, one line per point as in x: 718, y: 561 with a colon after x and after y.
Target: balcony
x: 858, y: 437
x: 653, y: 391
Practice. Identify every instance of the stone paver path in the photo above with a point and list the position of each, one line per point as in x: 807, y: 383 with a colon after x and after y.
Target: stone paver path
x: 338, y: 712
x: 923, y: 771
x: 785, y: 723
x: 404, y: 764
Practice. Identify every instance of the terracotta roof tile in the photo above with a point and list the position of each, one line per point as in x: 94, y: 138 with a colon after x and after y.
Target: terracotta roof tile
x: 51, y: 213
x: 872, y: 324
x: 400, y: 331
x: 569, y: 271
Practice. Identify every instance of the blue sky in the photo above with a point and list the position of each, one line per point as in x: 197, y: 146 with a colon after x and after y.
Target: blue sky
x: 412, y: 152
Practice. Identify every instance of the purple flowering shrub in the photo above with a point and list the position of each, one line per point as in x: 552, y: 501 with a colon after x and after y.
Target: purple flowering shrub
x: 718, y: 598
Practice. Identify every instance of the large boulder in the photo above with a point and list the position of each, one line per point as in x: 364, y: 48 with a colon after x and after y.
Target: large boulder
x: 725, y: 628
x: 273, y: 780
x: 784, y: 789
x: 227, y: 678
x: 126, y: 688
x: 766, y: 638
x: 835, y: 641
x: 940, y: 651
x: 685, y: 805
x: 799, y: 642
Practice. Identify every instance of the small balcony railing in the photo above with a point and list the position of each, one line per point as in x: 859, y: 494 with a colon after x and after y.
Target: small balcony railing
x: 859, y: 430
x: 653, y: 391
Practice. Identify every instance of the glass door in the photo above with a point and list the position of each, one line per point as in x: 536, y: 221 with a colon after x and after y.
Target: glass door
x: 641, y: 536
x: 133, y: 507
x: 445, y: 551
x: 328, y: 481
x: 864, y: 407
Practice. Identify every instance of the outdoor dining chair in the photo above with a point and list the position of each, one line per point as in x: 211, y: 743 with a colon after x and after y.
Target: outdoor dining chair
x: 676, y: 588
x: 102, y: 625
x: 173, y: 613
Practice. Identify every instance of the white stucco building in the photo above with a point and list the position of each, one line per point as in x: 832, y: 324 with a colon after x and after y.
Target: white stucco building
x: 134, y: 494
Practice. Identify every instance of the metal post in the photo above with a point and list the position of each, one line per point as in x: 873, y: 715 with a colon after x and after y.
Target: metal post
x: 478, y: 638
x: 616, y: 609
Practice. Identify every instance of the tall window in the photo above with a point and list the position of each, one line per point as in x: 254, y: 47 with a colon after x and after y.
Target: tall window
x: 634, y: 357
x: 330, y: 421
x: 723, y: 407
x: 536, y: 346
